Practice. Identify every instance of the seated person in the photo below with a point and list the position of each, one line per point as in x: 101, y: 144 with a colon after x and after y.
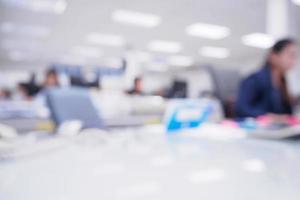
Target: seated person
x: 22, y: 92
x: 137, y: 87
x: 265, y: 92
x: 51, y: 79
x: 5, y: 94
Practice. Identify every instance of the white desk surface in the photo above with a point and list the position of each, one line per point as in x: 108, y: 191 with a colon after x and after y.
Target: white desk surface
x: 148, y: 164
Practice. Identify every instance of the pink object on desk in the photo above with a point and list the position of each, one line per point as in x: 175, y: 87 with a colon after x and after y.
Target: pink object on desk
x: 267, y: 120
x: 293, y: 121
x: 264, y: 120
x: 230, y: 123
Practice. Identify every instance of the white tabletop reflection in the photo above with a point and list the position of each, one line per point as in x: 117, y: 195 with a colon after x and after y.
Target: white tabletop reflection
x: 146, y: 163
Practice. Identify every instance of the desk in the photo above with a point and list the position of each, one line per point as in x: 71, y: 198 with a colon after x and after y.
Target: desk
x: 24, y: 125
x: 145, y: 163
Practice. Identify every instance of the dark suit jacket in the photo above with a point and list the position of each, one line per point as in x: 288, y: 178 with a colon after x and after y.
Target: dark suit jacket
x: 257, y: 96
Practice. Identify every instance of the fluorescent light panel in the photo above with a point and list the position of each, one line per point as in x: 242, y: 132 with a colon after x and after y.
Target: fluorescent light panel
x: 146, y: 20
x: 144, y: 56
x: 28, y: 30
x: 73, y: 59
x: 16, y: 56
x: 181, y: 61
x: 258, y: 40
x: 46, y: 6
x: 105, y: 39
x: 26, y: 45
x: 165, y: 46
x: 7, y: 27
x: 209, y: 31
x: 87, y: 51
x: 214, y: 52
x: 157, y: 67
x: 113, y: 62
x: 297, y: 2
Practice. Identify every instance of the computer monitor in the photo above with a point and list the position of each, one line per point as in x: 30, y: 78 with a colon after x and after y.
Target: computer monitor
x: 74, y: 103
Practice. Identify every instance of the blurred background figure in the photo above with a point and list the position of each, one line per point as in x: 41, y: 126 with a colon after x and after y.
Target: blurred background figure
x: 266, y: 91
x: 5, y: 94
x: 177, y: 90
x: 51, y: 79
x: 22, y: 92
x: 137, y: 87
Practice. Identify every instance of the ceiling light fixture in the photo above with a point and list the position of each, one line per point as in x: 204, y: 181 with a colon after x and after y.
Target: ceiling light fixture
x: 16, y: 56
x: 60, y: 7
x: 87, y: 51
x: 157, y: 67
x: 45, y: 6
x: 25, y: 45
x: 297, y: 2
x: 146, y: 20
x: 180, y: 61
x: 208, y: 31
x: 214, y: 52
x: 7, y: 27
x: 258, y: 40
x: 165, y: 46
x: 28, y: 30
x: 73, y: 60
x: 105, y: 39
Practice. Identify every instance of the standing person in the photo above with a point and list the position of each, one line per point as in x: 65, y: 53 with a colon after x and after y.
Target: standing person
x: 266, y: 92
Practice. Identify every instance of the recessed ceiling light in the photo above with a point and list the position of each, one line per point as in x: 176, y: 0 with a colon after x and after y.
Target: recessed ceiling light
x: 144, y: 56
x: 87, y: 51
x: 7, y: 27
x: 259, y: 40
x: 297, y: 2
x: 214, y: 52
x: 45, y: 6
x: 105, y: 39
x: 60, y: 7
x: 73, y: 60
x: 113, y: 62
x: 16, y: 56
x: 157, y: 67
x: 146, y: 20
x: 165, y: 46
x: 181, y: 61
x: 26, y: 45
x: 209, y: 31
x: 27, y: 30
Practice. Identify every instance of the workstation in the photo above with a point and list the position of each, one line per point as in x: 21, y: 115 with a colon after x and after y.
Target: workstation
x: 149, y: 100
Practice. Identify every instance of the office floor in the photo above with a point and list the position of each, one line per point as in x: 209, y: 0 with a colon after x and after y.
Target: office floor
x: 145, y: 163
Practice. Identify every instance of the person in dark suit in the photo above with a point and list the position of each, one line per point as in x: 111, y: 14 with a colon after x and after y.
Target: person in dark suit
x: 266, y: 92
x: 137, y: 87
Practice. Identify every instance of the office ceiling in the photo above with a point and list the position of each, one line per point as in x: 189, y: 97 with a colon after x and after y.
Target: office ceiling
x: 81, y: 17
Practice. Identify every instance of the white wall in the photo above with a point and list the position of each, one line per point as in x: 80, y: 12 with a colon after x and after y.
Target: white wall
x: 10, y: 78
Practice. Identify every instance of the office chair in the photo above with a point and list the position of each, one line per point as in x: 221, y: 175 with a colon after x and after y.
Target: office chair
x: 226, y: 84
x: 74, y: 103
x: 178, y: 89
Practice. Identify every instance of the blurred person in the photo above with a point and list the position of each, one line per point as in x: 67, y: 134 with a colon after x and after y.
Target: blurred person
x: 177, y: 90
x: 5, y: 94
x: 51, y: 79
x: 22, y: 92
x: 265, y: 92
x: 137, y: 87
x: 26, y: 91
